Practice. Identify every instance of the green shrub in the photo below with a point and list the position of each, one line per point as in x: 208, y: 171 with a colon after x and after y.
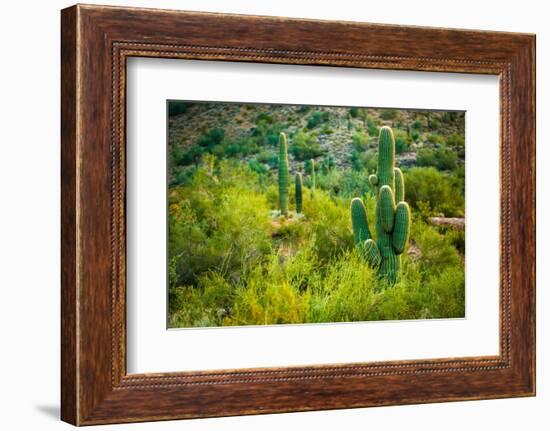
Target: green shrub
x: 390, y: 114
x: 360, y: 141
x: 402, y: 140
x: 372, y: 127
x: 434, y: 123
x: 443, y: 159
x: 367, y: 160
x: 440, y: 191
x: 435, y: 139
x: 437, y: 250
x: 305, y: 146
x: 264, y: 117
x: 449, y: 117
x: 215, y: 222
x: 176, y: 108
x: 314, y: 120
x: 213, y: 137
x: 257, y: 167
x: 456, y: 141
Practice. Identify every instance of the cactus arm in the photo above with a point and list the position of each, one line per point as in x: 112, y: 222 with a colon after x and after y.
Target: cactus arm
x: 371, y: 253
x: 361, y: 231
x: 386, y: 158
x: 401, y: 227
x: 298, y: 185
x: 283, y: 174
x: 387, y: 208
x: 373, y: 179
x: 399, y: 185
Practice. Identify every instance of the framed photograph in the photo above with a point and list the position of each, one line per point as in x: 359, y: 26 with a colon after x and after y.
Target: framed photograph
x: 264, y: 214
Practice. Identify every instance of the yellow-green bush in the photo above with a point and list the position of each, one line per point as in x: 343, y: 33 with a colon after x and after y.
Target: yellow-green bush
x: 231, y: 262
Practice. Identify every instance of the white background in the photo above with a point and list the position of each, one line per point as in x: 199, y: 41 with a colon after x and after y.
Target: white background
x: 151, y: 348
x: 29, y: 220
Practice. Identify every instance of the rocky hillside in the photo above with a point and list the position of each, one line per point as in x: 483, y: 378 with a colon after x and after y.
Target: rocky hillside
x: 336, y: 135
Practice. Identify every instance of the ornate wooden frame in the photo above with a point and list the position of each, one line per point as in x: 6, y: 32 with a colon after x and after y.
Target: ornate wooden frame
x: 95, y: 43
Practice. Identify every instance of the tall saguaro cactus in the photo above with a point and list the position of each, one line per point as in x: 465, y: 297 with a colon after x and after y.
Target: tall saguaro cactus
x: 298, y: 185
x: 283, y: 174
x: 393, y: 216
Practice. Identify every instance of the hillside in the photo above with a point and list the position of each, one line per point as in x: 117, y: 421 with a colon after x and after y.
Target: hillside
x: 333, y: 136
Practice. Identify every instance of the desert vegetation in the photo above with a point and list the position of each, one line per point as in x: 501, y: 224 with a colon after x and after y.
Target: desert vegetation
x: 261, y: 199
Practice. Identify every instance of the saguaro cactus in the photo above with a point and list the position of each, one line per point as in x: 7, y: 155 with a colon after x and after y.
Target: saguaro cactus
x: 298, y: 185
x: 283, y: 174
x: 312, y: 165
x: 392, y: 214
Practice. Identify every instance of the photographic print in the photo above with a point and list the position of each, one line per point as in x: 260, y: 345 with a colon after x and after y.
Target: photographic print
x: 299, y: 214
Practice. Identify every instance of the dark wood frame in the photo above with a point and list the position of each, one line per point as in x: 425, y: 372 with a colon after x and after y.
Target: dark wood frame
x: 95, y: 43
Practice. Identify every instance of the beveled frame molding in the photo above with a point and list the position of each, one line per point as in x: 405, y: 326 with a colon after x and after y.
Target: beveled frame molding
x: 96, y: 41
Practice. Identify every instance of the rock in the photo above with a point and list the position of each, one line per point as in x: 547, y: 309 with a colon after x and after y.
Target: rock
x: 406, y: 159
x: 456, y: 222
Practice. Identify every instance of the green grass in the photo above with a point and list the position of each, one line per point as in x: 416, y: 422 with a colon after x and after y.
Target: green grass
x: 231, y: 262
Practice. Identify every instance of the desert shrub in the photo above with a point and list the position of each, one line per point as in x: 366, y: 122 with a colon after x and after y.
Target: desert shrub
x: 310, y: 272
x: 449, y: 117
x: 457, y: 239
x: 176, y: 108
x: 217, y: 221
x: 437, y: 249
x: 175, y: 155
x: 441, y: 158
x: 372, y: 127
x: 456, y: 141
x: 182, y: 176
x: 354, y: 183
x: 266, y: 131
x: 305, y: 146
x: 240, y: 147
x: 402, y: 140
x: 266, y: 156
x: 329, y: 181
x: 327, y: 164
x: 416, y: 297
x: 314, y: 120
x: 434, y: 123
x: 367, y: 160
x: 389, y: 114
x: 354, y: 112
x: 191, y: 156
x: 264, y: 117
x: 345, y: 292
x: 213, y: 137
x: 330, y: 224
x: 436, y: 189
x: 257, y: 167
x: 327, y: 130
x: 345, y: 183
x: 360, y: 141
x: 435, y: 138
